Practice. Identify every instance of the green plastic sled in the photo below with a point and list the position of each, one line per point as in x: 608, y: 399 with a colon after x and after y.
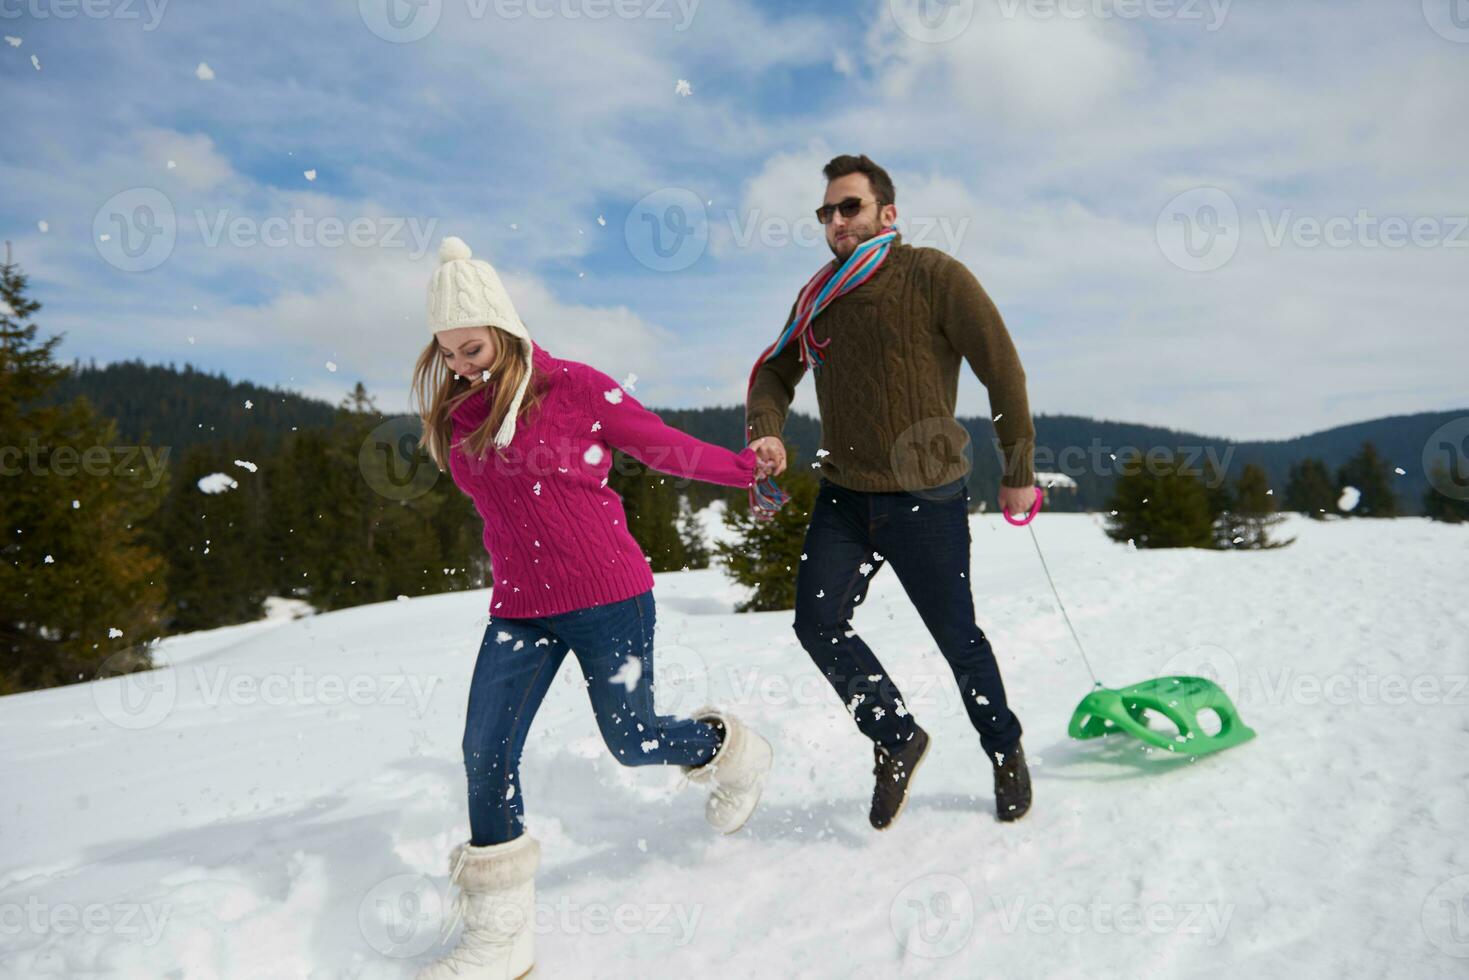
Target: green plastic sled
x: 1106, y: 711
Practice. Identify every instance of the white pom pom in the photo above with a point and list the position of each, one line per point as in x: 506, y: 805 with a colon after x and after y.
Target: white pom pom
x: 453, y: 248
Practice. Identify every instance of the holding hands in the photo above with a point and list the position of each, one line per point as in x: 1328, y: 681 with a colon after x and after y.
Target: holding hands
x: 772, y: 454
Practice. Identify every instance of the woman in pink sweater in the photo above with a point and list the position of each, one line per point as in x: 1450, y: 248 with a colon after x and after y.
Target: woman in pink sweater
x: 529, y: 437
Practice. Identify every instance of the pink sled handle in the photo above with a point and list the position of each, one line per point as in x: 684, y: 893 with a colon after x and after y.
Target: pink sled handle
x: 1034, y: 510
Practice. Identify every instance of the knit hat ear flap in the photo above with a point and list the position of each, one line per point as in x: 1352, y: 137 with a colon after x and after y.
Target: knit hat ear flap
x: 507, y: 427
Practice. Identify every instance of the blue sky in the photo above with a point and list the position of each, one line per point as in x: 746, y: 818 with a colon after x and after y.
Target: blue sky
x: 1244, y: 220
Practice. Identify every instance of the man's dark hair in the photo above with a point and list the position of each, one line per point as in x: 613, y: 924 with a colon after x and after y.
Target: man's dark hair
x: 882, y: 184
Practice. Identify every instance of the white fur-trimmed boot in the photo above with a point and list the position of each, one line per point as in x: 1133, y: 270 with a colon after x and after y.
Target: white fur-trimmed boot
x: 735, y: 775
x: 496, y: 900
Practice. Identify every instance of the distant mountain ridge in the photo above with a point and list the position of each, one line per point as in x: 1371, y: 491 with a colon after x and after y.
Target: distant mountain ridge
x: 183, y: 406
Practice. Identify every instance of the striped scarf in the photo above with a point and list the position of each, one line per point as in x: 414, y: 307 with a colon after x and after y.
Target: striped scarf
x: 829, y: 284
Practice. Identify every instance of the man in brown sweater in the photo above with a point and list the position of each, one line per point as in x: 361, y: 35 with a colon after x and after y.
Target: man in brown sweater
x: 894, y: 465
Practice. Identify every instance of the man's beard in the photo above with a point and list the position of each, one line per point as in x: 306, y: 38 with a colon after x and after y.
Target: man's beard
x: 858, y: 237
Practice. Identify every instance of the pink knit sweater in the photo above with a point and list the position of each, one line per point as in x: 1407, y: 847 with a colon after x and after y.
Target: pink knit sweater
x: 555, y: 531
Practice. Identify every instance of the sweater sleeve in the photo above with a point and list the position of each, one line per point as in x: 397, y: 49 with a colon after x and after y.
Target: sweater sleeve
x: 975, y: 329
x: 774, y: 389
x: 622, y: 422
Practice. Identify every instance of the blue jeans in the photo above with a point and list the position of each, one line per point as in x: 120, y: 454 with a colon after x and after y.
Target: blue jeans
x: 925, y: 536
x: 517, y: 661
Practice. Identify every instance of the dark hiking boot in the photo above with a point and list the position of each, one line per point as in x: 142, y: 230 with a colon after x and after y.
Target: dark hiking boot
x: 894, y: 775
x: 1012, y: 784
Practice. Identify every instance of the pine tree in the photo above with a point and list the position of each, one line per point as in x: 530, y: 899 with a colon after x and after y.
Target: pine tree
x: 1221, y: 505
x: 652, y: 507
x: 79, y: 593
x: 208, y: 531
x: 1309, y: 490
x: 1160, y: 505
x: 1368, y: 472
x: 1253, y: 515
x: 765, y: 555
x: 1439, y: 506
x: 691, y: 534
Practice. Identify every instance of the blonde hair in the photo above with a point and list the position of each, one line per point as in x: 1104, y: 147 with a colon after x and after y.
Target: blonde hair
x: 436, y: 393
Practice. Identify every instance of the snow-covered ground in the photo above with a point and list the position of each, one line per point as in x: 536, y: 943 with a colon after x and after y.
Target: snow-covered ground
x: 279, y: 802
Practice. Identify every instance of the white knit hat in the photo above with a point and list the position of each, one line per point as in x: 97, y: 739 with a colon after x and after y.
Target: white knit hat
x: 467, y: 292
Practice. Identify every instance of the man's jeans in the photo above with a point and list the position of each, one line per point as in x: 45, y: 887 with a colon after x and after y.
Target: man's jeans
x: 925, y: 535
x: 517, y: 661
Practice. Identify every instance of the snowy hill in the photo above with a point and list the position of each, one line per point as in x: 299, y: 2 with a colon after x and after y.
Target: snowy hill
x: 279, y: 802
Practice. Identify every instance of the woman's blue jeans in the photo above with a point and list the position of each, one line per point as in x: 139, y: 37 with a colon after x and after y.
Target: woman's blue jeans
x: 518, y: 660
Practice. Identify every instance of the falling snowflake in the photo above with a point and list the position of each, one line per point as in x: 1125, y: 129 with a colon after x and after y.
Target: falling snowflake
x: 602, y: 220
x: 217, y: 483
x: 683, y: 88
x: 249, y: 403
x: 331, y: 366
x: 628, y: 674
x: 309, y: 174
x: 614, y: 396
x: 44, y: 226
x: 204, y: 72
x: 1350, y: 497
x: 247, y: 465
x: 503, y: 637
x: 35, y: 63
x: 630, y: 383
x: 536, y: 489
x: 113, y: 632
x: 14, y: 42
x: 593, y: 455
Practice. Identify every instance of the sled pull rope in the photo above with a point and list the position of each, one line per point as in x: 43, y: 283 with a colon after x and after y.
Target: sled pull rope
x: 1061, y: 605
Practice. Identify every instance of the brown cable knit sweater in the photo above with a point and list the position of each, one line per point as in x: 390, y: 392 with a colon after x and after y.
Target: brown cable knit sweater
x: 891, y: 378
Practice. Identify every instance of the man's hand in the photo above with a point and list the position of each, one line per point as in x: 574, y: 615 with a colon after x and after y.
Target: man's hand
x: 772, y: 453
x: 1017, y: 500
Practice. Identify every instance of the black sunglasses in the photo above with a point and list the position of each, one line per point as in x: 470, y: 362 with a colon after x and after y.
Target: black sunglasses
x: 848, y: 207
